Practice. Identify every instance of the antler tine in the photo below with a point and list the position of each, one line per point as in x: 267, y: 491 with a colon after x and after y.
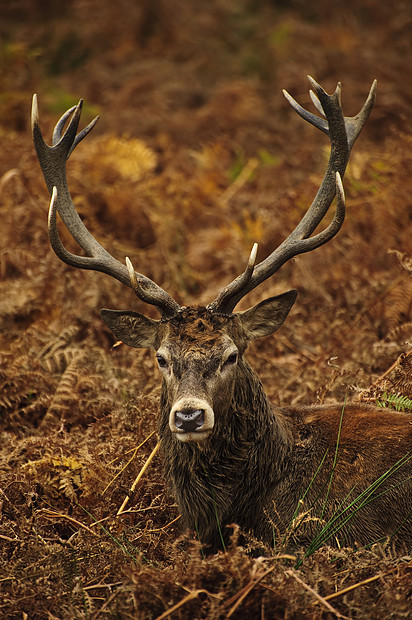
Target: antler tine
x: 57, y: 133
x: 53, y: 164
x: 237, y: 285
x: 156, y: 296
x: 343, y: 132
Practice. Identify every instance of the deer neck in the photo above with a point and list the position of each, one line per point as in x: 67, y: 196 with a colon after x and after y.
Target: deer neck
x: 247, y: 427
x: 259, y: 421
x: 238, y: 466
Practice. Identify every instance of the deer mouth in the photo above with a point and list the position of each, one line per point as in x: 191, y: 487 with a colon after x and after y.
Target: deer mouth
x: 195, y: 437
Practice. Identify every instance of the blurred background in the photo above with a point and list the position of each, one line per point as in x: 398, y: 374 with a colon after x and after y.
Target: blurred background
x: 197, y: 155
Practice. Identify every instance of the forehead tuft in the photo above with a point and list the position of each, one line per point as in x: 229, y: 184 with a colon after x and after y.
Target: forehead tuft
x: 199, y: 326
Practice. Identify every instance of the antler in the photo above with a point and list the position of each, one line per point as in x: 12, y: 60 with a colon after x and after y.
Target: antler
x: 53, y: 164
x: 343, y: 132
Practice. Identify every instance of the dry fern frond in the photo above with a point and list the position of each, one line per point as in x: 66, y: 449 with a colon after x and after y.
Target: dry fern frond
x: 129, y: 156
x: 401, y: 333
x: 61, y: 340
x: 404, y: 259
x: 110, y: 157
x: 23, y: 394
x: 65, y: 394
x: 397, y: 308
x: 36, y: 336
x: 402, y: 381
x: 397, y: 380
x: 58, y: 361
x: 61, y: 475
x: 59, y: 349
x: 85, y: 391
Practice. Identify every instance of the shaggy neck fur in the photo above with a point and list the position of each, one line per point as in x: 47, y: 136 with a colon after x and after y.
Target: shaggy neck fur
x: 231, y: 475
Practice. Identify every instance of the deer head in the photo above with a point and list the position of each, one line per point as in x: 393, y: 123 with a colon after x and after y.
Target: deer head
x: 199, y: 350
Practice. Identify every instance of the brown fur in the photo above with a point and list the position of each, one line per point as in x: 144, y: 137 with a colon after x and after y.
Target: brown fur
x: 259, y: 462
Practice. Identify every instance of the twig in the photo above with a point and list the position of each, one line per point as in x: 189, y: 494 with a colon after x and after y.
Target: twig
x: 350, y: 588
x: 161, y: 529
x: 131, y: 449
x: 105, y: 605
x: 139, y: 477
x: 128, y: 462
x: 189, y: 597
x: 52, y: 514
x: 242, y: 594
x: 102, y: 585
x: 15, y: 539
x: 321, y: 599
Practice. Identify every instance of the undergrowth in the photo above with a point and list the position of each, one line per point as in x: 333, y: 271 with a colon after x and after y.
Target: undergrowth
x: 219, y: 162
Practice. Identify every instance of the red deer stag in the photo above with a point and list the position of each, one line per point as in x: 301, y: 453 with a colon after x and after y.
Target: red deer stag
x: 229, y: 455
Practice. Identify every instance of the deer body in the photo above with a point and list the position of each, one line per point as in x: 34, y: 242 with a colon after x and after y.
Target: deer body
x: 230, y: 457
x: 259, y: 462
x: 258, y: 483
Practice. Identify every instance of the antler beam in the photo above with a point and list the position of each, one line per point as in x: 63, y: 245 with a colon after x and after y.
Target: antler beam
x: 343, y: 132
x: 53, y: 164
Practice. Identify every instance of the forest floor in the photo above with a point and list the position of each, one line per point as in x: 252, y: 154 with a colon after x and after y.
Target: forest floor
x: 196, y: 156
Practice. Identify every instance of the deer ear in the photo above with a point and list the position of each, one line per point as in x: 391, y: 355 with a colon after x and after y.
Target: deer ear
x: 132, y: 328
x: 267, y: 316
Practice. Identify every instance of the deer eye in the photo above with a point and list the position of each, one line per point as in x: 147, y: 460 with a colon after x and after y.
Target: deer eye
x: 232, y: 359
x: 161, y: 361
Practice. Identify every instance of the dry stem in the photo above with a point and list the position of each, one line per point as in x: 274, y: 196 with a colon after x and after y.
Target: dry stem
x: 138, y: 478
x: 321, y: 599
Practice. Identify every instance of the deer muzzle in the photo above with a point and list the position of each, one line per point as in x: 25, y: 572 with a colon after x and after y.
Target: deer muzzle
x: 191, y: 419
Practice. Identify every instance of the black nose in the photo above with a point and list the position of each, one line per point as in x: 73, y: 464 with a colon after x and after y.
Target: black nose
x: 189, y: 420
